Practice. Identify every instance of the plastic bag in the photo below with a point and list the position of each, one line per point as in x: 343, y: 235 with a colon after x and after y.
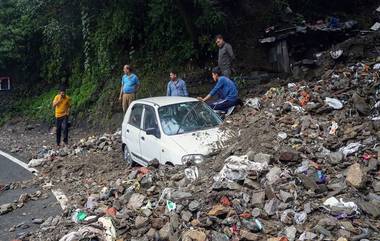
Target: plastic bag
x: 334, y: 103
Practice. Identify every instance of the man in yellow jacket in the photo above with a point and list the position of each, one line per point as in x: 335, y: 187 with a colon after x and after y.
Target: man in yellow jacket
x: 61, y: 104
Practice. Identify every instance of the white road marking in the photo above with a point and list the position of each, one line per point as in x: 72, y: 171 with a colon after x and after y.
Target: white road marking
x: 18, y: 162
x: 58, y: 194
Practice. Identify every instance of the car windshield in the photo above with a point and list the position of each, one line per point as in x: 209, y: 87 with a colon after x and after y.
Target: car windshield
x: 187, y: 117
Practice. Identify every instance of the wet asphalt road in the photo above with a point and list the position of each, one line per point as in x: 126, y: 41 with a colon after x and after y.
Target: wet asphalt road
x: 41, y: 208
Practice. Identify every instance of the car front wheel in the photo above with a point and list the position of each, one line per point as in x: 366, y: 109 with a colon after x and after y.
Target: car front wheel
x: 127, y: 154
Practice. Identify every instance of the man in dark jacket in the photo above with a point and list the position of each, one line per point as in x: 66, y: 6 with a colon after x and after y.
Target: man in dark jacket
x: 225, y: 57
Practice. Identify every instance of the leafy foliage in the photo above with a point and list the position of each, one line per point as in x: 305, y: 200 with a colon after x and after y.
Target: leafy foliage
x: 84, y: 43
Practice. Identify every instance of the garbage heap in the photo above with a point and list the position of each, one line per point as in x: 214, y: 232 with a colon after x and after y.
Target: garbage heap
x: 304, y: 165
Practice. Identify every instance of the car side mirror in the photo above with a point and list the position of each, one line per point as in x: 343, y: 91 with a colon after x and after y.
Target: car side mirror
x: 154, y: 132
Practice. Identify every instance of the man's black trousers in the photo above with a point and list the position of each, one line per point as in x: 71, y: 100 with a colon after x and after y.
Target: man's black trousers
x: 62, y: 123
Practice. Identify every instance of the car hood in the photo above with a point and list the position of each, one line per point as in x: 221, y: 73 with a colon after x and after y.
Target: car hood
x: 205, y: 142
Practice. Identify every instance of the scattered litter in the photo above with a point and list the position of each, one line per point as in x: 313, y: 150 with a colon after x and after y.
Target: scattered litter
x: 334, y: 103
x: 192, y: 173
x: 350, y: 148
x: 253, y: 103
x: 375, y: 27
x: 237, y: 168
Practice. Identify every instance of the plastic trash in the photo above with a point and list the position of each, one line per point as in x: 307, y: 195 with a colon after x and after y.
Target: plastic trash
x: 320, y: 177
x: 282, y: 135
x: 334, y: 103
x: 191, y: 173
x: 375, y: 27
x: 253, y: 224
x: 307, y: 236
x: 253, y: 103
x: 36, y: 162
x: 350, y: 148
x: 305, y: 98
x: 237, y: 168
x: 292, y: 86
x: 79, y: 216
x: 292, y: 216
x: 91, y: 202
x: 171, y: 206
x: 340, y: 209
x: 336, y: 54
x: 303, y: 168
x: 110, y: 229
x: 376, y: 66
x: 300, y: 217
x: 333, y: 128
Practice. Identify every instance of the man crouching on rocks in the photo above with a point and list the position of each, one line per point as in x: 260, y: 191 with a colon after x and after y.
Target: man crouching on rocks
x: 61, y: 104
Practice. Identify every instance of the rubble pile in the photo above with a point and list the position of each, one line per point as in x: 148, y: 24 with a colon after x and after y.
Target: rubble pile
x: 103, y: 144
x: 304, y: 166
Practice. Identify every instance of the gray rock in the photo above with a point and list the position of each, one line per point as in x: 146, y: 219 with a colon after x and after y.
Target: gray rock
x: 356, y: 176
x: 186, y: 216
x: 360, y: 104
x: 179, y: 195
x: 147, y: 181
x: 5, y: 208
x: 37, y: 220
x: 307, y: 236
x: 372, y: 165
x: 344, y: 233
x: 147, y: 212
x: 174, y: 221
x: 308, y: 182
x: 165, y: 232
x: 64, y: 151
x: 258, y: 198
x: 273, y: 175
x: 307, y: 207
x: 194, y: 205
x: 376, y: 186
x: 286, y: 196
x: 133, y: 174
x: 136, y: 201
x: 271, y: 206
x: 335, y: 157
x: 328, y: 223
x: 140, y: 222
x: 102, y: 145
x: 262, y: 158
x: 55, y: 221
x: 290, y: 233
x: 151, y: 233
x: 369, y: 208
x: 322, y: 230
x: 216, y: 236
x: 251, y: 155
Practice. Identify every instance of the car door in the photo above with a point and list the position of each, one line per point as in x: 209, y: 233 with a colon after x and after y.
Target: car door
x: 133, y: 132
x: 150, y: 145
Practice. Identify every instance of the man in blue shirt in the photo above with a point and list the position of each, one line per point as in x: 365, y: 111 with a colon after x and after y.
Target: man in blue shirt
x: 129, y: 86
x: 176, y: 87
x: 225, y: 88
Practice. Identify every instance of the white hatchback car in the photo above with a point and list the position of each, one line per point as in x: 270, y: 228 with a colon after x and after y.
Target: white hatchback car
x: 173, y: 130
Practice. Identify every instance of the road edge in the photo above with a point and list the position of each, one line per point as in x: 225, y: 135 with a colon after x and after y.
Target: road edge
x: 58, y: 193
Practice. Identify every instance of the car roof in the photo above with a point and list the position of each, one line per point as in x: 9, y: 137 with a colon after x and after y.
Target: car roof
x: 164, y: 100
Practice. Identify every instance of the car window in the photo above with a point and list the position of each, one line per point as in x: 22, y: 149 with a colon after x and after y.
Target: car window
x: 136, y: 113
x: 187, y: 117
x: 150, y: 120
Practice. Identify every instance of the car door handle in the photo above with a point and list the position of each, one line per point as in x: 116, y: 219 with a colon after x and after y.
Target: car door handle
x: 143, y: 138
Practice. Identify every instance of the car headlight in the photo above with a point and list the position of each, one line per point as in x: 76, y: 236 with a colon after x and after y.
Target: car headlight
x: 193, y: 158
